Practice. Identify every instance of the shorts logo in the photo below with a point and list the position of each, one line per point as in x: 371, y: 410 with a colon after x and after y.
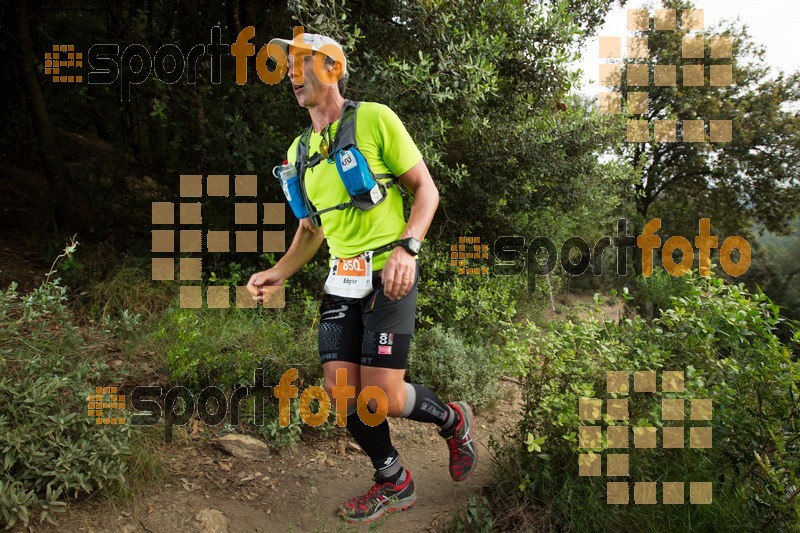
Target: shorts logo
x: 385, y: 341
x: 339, y: 313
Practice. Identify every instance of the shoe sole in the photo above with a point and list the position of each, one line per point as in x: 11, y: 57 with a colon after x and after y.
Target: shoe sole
x: 399, y: 505
x: 465, y: 408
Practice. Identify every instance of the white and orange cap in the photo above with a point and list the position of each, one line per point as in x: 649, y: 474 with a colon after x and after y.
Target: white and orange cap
x: 315, y: 43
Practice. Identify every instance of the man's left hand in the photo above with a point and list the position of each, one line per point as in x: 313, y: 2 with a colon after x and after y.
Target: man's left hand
x: 398, y: 273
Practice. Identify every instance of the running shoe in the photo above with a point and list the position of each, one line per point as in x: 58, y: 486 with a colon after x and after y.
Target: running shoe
x: 463, y: 449
x: 384, y: 497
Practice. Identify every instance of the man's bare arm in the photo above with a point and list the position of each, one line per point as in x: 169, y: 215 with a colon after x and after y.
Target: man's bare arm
x: 419, y: 182
x: 399, y: 271
x: 307, y: 240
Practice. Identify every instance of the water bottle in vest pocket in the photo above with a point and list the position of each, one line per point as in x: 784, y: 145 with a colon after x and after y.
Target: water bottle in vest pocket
x: 290, y: 183
x: 361, y: 185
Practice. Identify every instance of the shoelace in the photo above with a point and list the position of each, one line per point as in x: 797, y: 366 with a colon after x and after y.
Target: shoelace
x: 452, y: 443
x: 371, y: 492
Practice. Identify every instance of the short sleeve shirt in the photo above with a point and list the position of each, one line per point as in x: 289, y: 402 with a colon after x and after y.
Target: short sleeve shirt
x: 388, y: 148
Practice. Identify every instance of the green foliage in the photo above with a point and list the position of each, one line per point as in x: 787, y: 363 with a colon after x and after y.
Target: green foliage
x: 280, y: 436
x: 456, y: 370
x: 775, y: 270
x: 723, y: 338
x: 128, y: 291
x: 224, y: 347
x: 476, y: 518
x: 483, y: 98
x: 656, y: 293
x: 479, y: 307
x: 234, y: 278
x: 50, y: 449
x: 750, y: 179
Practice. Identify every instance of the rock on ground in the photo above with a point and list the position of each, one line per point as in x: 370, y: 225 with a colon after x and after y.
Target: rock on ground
x: 211, y: 521
x: 242, y: 446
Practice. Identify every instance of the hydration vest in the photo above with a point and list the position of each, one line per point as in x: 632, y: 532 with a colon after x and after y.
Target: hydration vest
x: 366, y: 189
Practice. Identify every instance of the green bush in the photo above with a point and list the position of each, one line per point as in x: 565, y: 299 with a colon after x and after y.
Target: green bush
x: 50, y: 449
x: 480, y: 310
x: 723, y: 339
x: 476, y: 518
x: 128, y: 290
x: 654, y: 294
x: 224, y: 348
x: 478, y: 307
x: 456, y: 370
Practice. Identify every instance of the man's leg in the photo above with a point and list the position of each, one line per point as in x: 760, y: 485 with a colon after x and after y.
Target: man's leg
x: 374, y: 440
x: 388, y: 328
x: 419, y: 403
x: 340, y: 338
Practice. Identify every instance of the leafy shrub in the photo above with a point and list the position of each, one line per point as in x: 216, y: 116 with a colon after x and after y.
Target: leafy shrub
x: 224, y: 348
x: 723, y: 338
x: 50, y: 449
x: 128, y: 289
x: 456, y: 370
x: 480, y: 310
x: 477, y: 517
x: 280, y: 436
x: 654, y: 294
x: 477, y: 306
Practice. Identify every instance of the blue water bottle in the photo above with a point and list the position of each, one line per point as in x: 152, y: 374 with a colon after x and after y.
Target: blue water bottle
x: 290, y: 183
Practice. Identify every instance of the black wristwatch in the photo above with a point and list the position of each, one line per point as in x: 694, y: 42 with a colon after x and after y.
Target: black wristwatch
x: 411, y: 244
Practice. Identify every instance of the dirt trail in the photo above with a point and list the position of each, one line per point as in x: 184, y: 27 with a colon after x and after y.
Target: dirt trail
x: 299, y: 489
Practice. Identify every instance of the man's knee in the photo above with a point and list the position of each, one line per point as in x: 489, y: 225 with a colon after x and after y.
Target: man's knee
x: 395, y: 394
x: 346, y: 389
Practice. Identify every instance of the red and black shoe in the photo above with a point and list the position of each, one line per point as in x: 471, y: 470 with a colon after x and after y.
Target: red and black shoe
x: 384, y: 497
x: 463, y: 449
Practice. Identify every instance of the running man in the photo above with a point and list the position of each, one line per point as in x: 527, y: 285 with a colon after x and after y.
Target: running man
x: 367, y: 330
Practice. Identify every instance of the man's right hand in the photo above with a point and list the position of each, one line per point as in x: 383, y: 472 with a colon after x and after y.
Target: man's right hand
x: 268, y: 278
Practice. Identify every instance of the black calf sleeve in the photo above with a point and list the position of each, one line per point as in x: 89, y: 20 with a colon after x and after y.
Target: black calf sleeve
x: 422, y: 405
x: 376, y: 443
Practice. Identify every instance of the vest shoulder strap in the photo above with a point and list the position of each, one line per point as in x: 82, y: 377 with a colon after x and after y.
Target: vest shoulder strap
x: 345, y: 138
x: 346, y: 132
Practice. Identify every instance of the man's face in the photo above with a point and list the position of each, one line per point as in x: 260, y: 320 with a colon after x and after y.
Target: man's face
x: 312, y: 90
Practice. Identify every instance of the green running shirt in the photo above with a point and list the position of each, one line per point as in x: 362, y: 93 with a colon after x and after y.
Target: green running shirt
x: 389, y: 149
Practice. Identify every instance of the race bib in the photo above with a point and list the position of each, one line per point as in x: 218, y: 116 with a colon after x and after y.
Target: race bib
x: 351, y: 277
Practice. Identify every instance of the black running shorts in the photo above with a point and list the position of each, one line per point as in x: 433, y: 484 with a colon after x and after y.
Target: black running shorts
x: 370, y: 331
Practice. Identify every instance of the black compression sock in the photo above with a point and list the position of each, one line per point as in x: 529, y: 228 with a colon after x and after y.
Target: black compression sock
x: 394, y: 479
x: 377, y: 444
x: 423, y: 405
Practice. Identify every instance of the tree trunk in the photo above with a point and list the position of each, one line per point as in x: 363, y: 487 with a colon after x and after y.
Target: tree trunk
x: 57, y: 200
x: 232, y: 19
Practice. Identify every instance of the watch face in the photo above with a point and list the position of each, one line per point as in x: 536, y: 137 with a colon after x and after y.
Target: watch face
x: 413, y: 244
